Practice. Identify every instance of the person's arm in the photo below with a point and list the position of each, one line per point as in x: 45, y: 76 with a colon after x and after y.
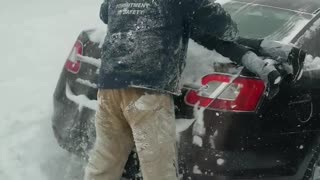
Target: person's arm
x: 213, y: 28
x: 254, y: 44
x: 229, y: 49
x: 104, y: 11
x: 210, y: 18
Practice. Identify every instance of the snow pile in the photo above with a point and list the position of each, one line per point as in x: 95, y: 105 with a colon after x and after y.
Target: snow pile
x: 37, y: 36
x: 200, y: 62
x: 198, y: 130
x: 98, y: 35
x: 311, y: 63
x: 87, y: 83
x: 82, y: 100
x: 309, y: 33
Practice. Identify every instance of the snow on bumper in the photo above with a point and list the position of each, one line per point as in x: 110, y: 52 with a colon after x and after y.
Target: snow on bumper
x: 81, y: 100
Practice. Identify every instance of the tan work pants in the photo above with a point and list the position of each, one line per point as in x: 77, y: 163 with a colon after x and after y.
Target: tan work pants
x: 128, y: 117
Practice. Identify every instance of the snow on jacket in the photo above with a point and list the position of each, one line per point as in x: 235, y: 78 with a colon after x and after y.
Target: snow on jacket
x: 147, y: 40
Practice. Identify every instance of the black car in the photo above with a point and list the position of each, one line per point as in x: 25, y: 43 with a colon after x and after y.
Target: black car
x: 230, y: 130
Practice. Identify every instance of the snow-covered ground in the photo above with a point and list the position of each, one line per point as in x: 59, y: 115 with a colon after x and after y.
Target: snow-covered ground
x: 36, y: 37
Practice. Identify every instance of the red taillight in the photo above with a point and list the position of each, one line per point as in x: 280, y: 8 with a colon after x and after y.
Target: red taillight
x: 243, y: 94
x: 73, y: 65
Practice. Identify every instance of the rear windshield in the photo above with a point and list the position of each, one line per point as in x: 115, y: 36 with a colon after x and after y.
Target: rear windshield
x: 257, y: 21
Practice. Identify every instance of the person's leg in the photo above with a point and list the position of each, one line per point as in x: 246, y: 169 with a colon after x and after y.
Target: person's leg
x: 114, y: 139
x: 151, y: 117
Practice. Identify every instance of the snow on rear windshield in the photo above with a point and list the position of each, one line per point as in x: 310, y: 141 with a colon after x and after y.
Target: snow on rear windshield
x: 258, y: 21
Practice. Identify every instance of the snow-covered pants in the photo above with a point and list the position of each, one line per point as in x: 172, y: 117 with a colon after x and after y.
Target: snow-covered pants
x: 128, y: 117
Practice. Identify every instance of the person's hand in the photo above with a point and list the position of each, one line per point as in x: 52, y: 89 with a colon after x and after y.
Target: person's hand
x: 290, y: 58
x: 266, y: 70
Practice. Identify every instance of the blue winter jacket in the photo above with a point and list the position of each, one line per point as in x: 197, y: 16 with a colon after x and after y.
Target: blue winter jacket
x: 147, y: 40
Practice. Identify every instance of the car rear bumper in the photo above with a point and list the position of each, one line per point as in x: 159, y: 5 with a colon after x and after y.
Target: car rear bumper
x: 250, y: 159
x: 72, y: 119
x: 208, y: 177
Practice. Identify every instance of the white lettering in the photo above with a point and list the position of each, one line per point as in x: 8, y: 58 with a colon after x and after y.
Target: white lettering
x: 132, y: 5
x: 130, y: 12
x: 132, y: 8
